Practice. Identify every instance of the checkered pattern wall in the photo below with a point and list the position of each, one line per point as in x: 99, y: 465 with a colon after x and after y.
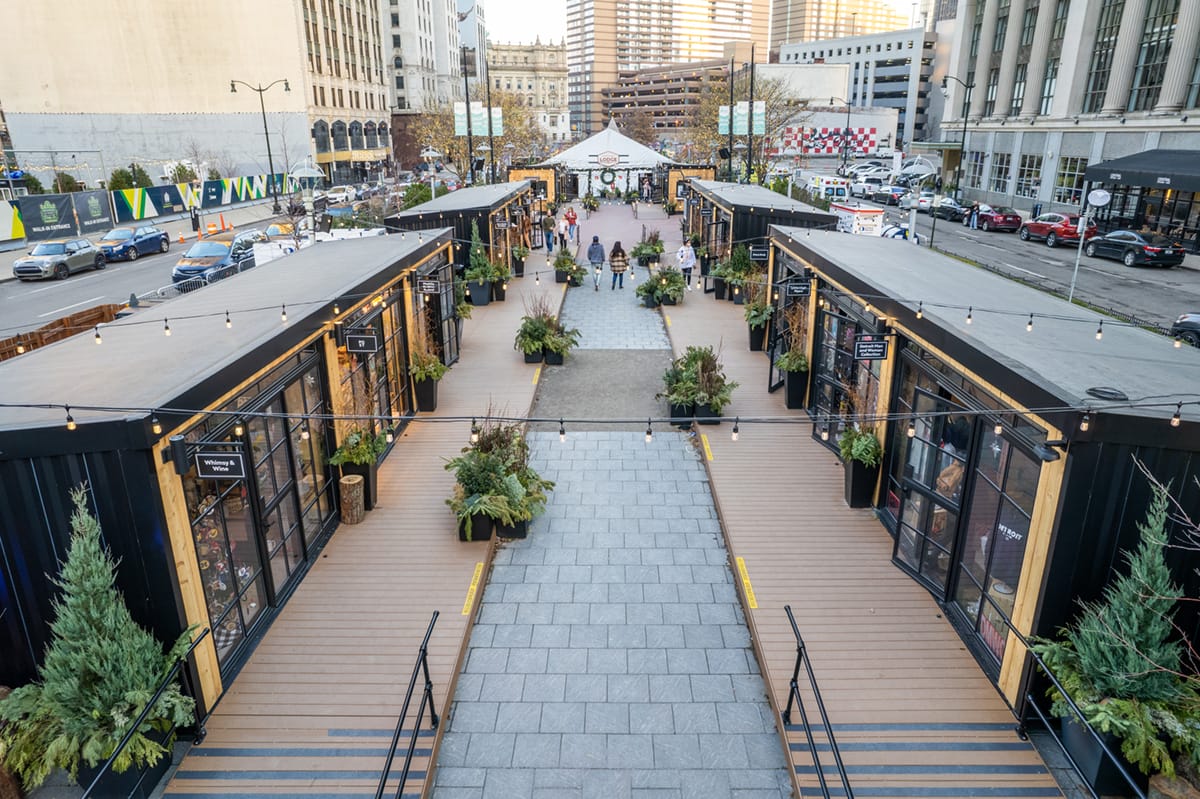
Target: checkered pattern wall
x: 826, y: 141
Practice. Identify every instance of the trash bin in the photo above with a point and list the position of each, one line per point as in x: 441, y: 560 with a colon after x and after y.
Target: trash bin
x: 1036, y: 211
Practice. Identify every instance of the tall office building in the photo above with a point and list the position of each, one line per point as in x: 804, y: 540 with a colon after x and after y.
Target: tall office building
x: 1061, y: 84
x: 813, y: 20
x: 606, y: 37
x: 168, y: 94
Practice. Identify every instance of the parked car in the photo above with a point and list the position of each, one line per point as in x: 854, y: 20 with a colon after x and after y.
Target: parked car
x: 341, y: 194
x: 999, y: 217
x: 129, y: 243
x: 923, y: 199
x: 1131, y: 248
x: 948, y: 208
x: 888, y: 195
x: 1187, y: 328
x: 58, y: 258
x: 864, y: 187
x: 216, y: 256
x: 1055, y: 227
x: 863, y: 166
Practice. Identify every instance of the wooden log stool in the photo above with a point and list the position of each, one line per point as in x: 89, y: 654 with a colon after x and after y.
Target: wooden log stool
x: 352, y: 487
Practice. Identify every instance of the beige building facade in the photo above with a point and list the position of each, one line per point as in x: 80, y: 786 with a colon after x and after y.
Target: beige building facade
x: 169, y: 97
x: 607, y: 37
x: 537, y: 73
x: 795, y: 21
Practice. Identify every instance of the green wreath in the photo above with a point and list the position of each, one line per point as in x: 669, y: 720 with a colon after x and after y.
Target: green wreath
x: 607, y: 176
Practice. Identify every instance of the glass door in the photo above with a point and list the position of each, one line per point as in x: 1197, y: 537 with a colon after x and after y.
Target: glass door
x: 931, y: 489
x: 278, y: 515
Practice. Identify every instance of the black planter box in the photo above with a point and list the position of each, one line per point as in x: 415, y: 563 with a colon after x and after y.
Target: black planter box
x: 706, y: 415
x: 481, y: 528
x: 1094, y: 766
x: 668, y: 300
x: 794, y: 384
x: 533, y: 357
x: 575, y: 281
x: 650, y: 301
x: 369, y: 473
x: 498, y: 292
x: 860, y: 484
x: 737, y: 295
x: 480, y: 291
x: 129, y: 784
x: 719, y: 287
x: 518, y: 530
x: 554, y: 358
x: 518, y: 267
x: 425, y: 392
x: 683, y: 413
x: 758, y: 337
x: 560, y: 276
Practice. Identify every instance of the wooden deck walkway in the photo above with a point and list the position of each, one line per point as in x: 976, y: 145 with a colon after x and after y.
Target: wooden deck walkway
x: 312, y: 712
x: 913, y: 713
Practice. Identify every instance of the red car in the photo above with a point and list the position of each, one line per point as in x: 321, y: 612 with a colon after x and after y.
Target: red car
x: 1056, y: 227
x: 999, y: 217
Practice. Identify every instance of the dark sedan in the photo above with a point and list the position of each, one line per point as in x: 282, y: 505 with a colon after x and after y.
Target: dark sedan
x: 948, y: 208
x: 1187, y: 328
x: 888, y: 195
x: 127, y: 243
x: 1131, y: 248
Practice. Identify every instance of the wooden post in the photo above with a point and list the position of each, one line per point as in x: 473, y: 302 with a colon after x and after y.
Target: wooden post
x: 353, y: 507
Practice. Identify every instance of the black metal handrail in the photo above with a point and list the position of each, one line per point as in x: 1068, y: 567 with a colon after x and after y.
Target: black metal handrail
x: 1031, y: 701
x: 133, y: 728
x: 794, y: 695
x: 422, y: 665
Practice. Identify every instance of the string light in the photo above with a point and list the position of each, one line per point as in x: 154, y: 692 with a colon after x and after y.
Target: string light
x: 1178, y: 342
x: 155, y: 426
x: 649, y: 432
x: 283, y: 314
x: 734, y: 434
x: 21, y: 345
x: 304, y: 434
x: 969, y: 315
x: 1175, y: 419
x: 921, y: 310
x: 1085, y: 422
x: 474, y: 432
x: 824, y: 433
x: 998, y: 429
x: 1029, y: 324
x: 228, y: 321
x: 166, y: 328
x: 562, y: 431
x: 336, y: 309
x: 239, y: 429
x: 70, y: 419
x: 98, y: 339
x: 390, y: 437
x: 912, y: 429
x: 1100, y: 331
x: 537, y: 278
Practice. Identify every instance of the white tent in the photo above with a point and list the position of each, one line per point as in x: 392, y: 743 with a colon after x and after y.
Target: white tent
x: 610, y: 159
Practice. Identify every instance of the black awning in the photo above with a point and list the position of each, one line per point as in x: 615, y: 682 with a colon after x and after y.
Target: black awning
x: 1156, y: 169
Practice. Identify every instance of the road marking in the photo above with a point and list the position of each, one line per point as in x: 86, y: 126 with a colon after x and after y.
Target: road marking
x: 68, y: 307
x: 751, y: 600
x: 667, y: 319
x: 1026, y: 271
x: 474, y: 587
x: 536, y: 374
x: 993, y: 246
x: 704, y: 442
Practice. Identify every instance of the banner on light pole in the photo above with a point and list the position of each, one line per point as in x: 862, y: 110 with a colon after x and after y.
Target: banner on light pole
x: 479, y: 120
x: 497, y: 121
x: 723, y: 120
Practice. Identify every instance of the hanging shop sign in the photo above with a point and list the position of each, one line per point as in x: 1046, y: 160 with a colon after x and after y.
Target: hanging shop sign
x: 220, y: 466
x: 362, y: 343
x: 502, y: 224
x: 870, y: 349
x: 759, y: 252
x: 706, y: 212
x: 427, y: 287
x: 798, y: 287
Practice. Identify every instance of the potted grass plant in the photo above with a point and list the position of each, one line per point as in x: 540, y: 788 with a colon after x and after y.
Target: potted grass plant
x: 519, y: 255
x: 757, y: 308
x: 861, y: 454
x: 793, y: 362
x: 426, y: 369
x: 359, y: 454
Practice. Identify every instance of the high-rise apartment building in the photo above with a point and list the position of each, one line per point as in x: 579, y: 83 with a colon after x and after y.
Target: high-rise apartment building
x: 168, y: 95
x: 606, y: 37
x: 1061, y: 84
x: 812, y: 20
x: 536, y: 73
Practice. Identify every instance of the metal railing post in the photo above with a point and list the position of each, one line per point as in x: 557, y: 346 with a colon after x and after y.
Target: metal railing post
x: 420, y: 667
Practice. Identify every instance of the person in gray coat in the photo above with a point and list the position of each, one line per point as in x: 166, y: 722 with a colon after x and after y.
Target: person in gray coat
x: 595, y: 256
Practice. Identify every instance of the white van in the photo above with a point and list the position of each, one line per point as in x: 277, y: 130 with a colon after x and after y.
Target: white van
x: 831, y: 188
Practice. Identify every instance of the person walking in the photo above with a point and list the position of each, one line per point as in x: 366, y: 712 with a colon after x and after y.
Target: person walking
x: 974, y: 216
x: 548, y: 231
x: 563, y: 231
x: 595, y: 256
x: 572, y: 224
x: 686, y: 259
x: 618, y: 262
x: 633, y: 205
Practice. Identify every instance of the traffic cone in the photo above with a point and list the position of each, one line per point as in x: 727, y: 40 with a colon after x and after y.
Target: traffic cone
x: 222, y: 222
x: 181, y: 237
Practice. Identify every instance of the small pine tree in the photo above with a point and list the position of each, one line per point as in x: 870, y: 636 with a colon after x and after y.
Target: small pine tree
x: 120, y: 179
x: 33, y: 185
x: 100, y: 670
x: 479, y: 268
x: 141, y: 179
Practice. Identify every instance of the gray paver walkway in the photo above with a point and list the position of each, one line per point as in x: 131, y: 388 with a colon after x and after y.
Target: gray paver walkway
x: 611, y: 657
x: 614, y: 319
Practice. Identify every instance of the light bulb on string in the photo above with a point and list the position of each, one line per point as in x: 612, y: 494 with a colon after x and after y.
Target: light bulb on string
x: 1175, y: 420
x: 1085, y: 422
x: 390, y: 437
x: 474, y: 432
x: 1178, y: 342
x: 97, y: 337
x: 1100, y: 331
x: 969, y: 314
x: 304, y: 434
x: 734, y: 434
x: 824, y: 433
x: 998, y: 429
x: 283, y: 314
x: 21, y: 346
x: 336, y: 309
x: 562, y: 431
x: 166, y: 328
x: 911, y: 432
x: 537, y: 278
x: 228, y: 321
x: 1029, y: 324
x: 70, y: 419
x: 649, y: 432
x: 921, y: 310
x: 155, y: 425
x: 239, y: 429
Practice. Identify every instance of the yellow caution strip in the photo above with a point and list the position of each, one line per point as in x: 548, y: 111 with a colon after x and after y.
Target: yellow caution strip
x: 537, y: 373
x: 473, y: 589
x: 746, y: 586
x: 667, y: 319
x: 707, y: 451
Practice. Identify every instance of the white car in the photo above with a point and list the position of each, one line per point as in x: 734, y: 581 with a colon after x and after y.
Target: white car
x: 341, y: 194
x: 863, y: 187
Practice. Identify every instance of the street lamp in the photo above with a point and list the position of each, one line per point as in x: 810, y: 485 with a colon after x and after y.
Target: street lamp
x: 845, y: 134
x: 962, y: 147
x: 482, y: 150
x: 430, y: 156
x: 267, y: 133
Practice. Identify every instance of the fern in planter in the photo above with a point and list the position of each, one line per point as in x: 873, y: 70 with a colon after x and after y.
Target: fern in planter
x: 360, y: 447
x: 671, y: 283
x: 792, y: 361
x: 1122, y: 663
x: 758, y: 307
x: 561, y: 339
x: 425, y: 362
x: 650, y: 288
x: 532, y: 334
x: 520, y: 252
x: 860, y: 444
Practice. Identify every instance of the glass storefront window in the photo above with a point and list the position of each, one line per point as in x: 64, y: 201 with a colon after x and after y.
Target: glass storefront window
x: 844, y: 389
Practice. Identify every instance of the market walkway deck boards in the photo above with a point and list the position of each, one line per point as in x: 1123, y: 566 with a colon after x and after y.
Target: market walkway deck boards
x: 899, y: 685
x: 331, y: 672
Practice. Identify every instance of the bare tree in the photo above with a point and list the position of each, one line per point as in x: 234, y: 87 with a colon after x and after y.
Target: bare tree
x: 226, y: 164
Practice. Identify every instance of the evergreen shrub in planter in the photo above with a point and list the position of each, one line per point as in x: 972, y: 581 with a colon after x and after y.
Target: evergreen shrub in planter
x: 861, y: 454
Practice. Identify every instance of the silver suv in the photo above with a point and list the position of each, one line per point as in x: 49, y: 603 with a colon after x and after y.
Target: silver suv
x: 58, y: 258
